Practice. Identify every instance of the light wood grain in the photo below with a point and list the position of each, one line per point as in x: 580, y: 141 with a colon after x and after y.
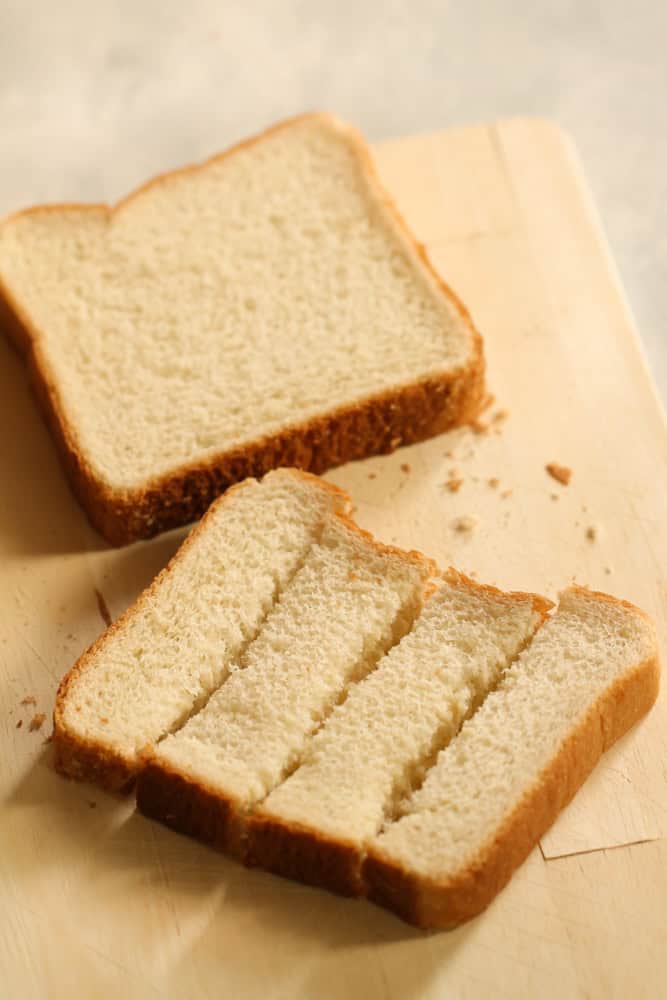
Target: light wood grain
x: 97, y: 900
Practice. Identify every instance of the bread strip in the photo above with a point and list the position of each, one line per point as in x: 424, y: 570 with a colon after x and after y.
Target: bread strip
x: 590, y: 674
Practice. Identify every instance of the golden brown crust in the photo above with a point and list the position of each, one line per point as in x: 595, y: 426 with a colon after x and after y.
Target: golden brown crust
x: 541, y: 605
x: 188, y: 805
x: 299, y: 852
x: 376, y: 425
x: 444, y: 904
x: 103, y: 764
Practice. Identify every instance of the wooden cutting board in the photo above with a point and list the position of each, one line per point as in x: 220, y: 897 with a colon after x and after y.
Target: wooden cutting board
x: 96, y: 901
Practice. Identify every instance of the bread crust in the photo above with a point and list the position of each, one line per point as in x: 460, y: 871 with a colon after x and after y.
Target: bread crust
x: 190, y: 806
x: 101, y: 763
x: 431, y: 903
x: 302, y: 853
x: 377, y: 424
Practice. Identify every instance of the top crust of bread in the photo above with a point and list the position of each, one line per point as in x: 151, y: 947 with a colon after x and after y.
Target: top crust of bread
x: 376, y: 424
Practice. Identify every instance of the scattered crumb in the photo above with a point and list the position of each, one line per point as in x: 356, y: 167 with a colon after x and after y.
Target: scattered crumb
x: 92, y: 804
x: 500, y: 416
x: 473, y: 574
x: 478, y: 426
x: 405, y: 467
x: 506, y: 493
x: 559, y: 472
x: 593, y: 532
x: 494, y: 482
x: 449, y: 454
x: 554, y: 496
x: 584, y: 509
x: 372, y: 475
x: 453, y: 485
x: 19, y: 723
x: 103, y: 608
x: 607, y: 570
x: 29, y: 700
x: 454, y: 473
x: 37, y: 721
x: 465, y: 524
x: 353, y: 509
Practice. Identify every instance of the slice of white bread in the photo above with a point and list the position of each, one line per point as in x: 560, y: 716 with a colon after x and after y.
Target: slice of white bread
x: 376, y: 745
x: 163, y: 658
x: 298, y: 745
x: 589, y: 674
x: 351, y: 600
x: 266, y: 308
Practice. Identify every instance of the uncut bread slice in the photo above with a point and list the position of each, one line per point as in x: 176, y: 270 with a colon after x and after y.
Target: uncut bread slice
x: 589, y: 674
x: 175, y: 645
x: 373, y: 748
x: 351, y: 600
x: 266, y: 308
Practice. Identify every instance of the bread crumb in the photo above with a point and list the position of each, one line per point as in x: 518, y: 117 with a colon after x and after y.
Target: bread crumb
x: 506, y: 493
x: 405, y: 467
x: 607, y: 570
x: 494, y: 482
x: 499, y: 416
x: 559, y: 472
x: 19, y: 723
x: 584, y: 509
x: 593, y: 532
x: 372, y: 475
x: 353, y: 509
x: 103, y: 608
x: 554, y: 496
x: 465, y: 524
x: 37, y: 721
x: 453, y: 485
x: 478, y: 426
x: 29, y: 700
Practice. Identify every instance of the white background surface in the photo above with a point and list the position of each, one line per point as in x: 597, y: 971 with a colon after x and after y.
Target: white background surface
x: 95, y: 97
